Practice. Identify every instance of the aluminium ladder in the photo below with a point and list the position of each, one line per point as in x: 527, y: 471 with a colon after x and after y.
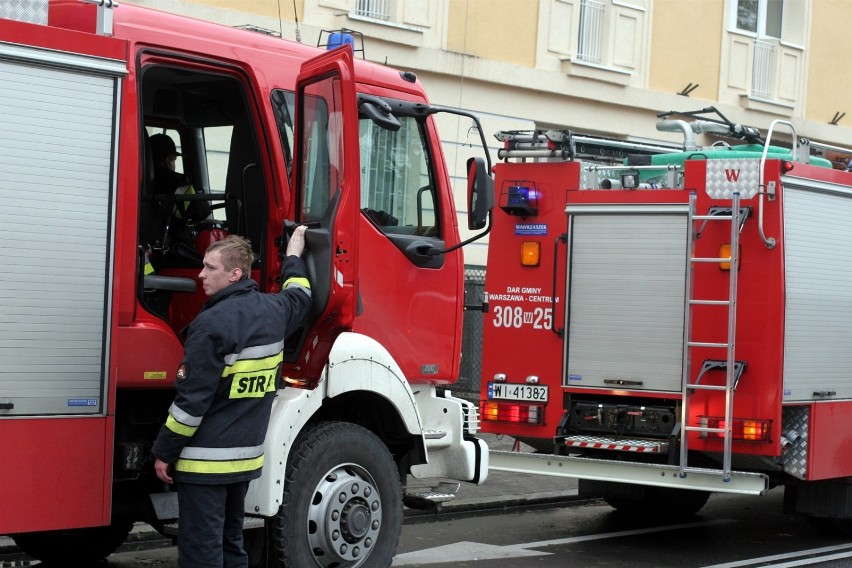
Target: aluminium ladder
x: 733, y: 369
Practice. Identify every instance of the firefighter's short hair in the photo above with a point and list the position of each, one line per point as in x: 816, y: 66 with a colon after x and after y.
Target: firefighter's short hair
x: 235, y: 252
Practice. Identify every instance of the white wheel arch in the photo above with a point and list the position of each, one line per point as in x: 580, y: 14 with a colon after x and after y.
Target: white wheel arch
x: 356, y: 363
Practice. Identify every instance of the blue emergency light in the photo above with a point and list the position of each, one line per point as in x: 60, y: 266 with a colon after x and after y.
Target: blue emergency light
x: 343, y: 37
x: 520, y: 200
x: 339, y: 39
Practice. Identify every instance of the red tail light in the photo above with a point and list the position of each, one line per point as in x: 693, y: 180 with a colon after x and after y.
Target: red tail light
x: 512, y: 412
x: 742, y: 429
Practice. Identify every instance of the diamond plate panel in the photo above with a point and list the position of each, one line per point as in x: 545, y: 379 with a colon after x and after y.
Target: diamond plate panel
x: 795, y: 456
x: 724, y: 177
x: 584, y: 178
x: 32, y: 11
x: 602, y: 174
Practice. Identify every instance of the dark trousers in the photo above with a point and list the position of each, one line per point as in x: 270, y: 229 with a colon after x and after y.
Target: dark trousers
x: 211, y: 525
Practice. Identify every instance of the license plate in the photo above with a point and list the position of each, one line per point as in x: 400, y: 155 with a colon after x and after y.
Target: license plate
x: 510, y: 391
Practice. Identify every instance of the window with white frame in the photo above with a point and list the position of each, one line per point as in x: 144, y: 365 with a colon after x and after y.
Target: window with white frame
x: 590, y: 34
x: 407, y: 15
x: 607, y: 39
x: 374, y: 9
x: 761, y: 17
x: 774, y: 28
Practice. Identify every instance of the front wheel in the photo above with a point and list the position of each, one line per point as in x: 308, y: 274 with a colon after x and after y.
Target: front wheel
x: 342, y: 502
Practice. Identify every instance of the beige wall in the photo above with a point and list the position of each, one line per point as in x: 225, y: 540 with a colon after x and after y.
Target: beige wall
x: 830, y: 62
x: 268, y: 8
x: 502, y: 30
x: 687, y: 40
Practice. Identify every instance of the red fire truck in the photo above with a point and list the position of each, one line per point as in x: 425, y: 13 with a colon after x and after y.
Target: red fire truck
x: 669, y: 321
x: 100, y: 265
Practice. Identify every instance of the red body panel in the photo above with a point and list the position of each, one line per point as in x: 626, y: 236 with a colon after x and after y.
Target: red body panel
x: 831, y: 433
x: 530, y: 348
x: 405, y: 309
x: 760, y: 314
x: 56, y: 473
x: 64, y: 39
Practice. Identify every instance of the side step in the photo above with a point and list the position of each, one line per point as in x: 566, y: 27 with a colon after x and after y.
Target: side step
x: 629, y: 472
x: 430, y: 499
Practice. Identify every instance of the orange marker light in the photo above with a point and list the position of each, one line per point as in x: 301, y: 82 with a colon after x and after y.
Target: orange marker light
x: 725, y: 252
x: 530, y: 253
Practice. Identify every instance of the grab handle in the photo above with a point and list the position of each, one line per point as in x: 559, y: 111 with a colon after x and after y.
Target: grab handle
x: 770, y: 242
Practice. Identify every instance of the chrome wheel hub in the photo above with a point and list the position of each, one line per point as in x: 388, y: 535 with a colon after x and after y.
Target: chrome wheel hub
x: 344, y: 517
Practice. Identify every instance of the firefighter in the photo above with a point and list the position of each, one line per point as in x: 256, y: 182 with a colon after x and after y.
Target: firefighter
x: 185, y: 215
x: 211, y: 445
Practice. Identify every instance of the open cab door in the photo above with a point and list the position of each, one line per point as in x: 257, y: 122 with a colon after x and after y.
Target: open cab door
x: 326, y: 198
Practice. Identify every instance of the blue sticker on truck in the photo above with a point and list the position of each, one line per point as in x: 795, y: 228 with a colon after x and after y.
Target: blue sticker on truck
x: 82, y: 402
x: 531, y: 229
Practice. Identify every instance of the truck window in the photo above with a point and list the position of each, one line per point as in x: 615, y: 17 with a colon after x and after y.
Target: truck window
x: 208, y: 119
x: 216, y: 148
x: 397, y: 193
x: 322, y: 171
x: 283, y: 105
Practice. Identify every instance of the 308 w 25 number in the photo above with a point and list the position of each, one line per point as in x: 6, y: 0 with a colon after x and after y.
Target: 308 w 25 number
x: 507, y: 316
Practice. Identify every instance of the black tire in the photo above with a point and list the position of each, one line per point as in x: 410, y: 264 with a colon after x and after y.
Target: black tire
x: 342, y: 503
x: 661, y: 502
x: 85, y: 546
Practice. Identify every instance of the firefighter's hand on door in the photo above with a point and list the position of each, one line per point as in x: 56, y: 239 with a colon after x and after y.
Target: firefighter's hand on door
x: 296, y: 244
x: 162, y: 470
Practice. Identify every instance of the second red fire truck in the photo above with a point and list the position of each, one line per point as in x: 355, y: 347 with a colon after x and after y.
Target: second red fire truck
x: 669, y: 321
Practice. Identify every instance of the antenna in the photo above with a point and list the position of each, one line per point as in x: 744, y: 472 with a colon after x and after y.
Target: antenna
x: 296, y: 15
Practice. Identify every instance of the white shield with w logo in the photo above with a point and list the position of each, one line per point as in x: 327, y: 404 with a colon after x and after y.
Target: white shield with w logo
x: 724, y: 177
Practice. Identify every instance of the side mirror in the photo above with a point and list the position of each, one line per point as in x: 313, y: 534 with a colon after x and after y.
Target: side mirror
x: 480, y: 194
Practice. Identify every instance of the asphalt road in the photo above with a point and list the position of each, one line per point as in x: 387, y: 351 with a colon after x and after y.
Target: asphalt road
x: 730, y: 532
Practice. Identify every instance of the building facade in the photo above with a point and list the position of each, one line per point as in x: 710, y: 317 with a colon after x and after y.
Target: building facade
x: 603, y: 67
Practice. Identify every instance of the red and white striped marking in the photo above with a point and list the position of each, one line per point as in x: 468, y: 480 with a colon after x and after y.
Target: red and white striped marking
x: 638, y: 446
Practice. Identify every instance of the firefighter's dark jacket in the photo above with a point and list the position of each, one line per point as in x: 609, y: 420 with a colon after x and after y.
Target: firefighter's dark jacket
x: 227, y: 380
